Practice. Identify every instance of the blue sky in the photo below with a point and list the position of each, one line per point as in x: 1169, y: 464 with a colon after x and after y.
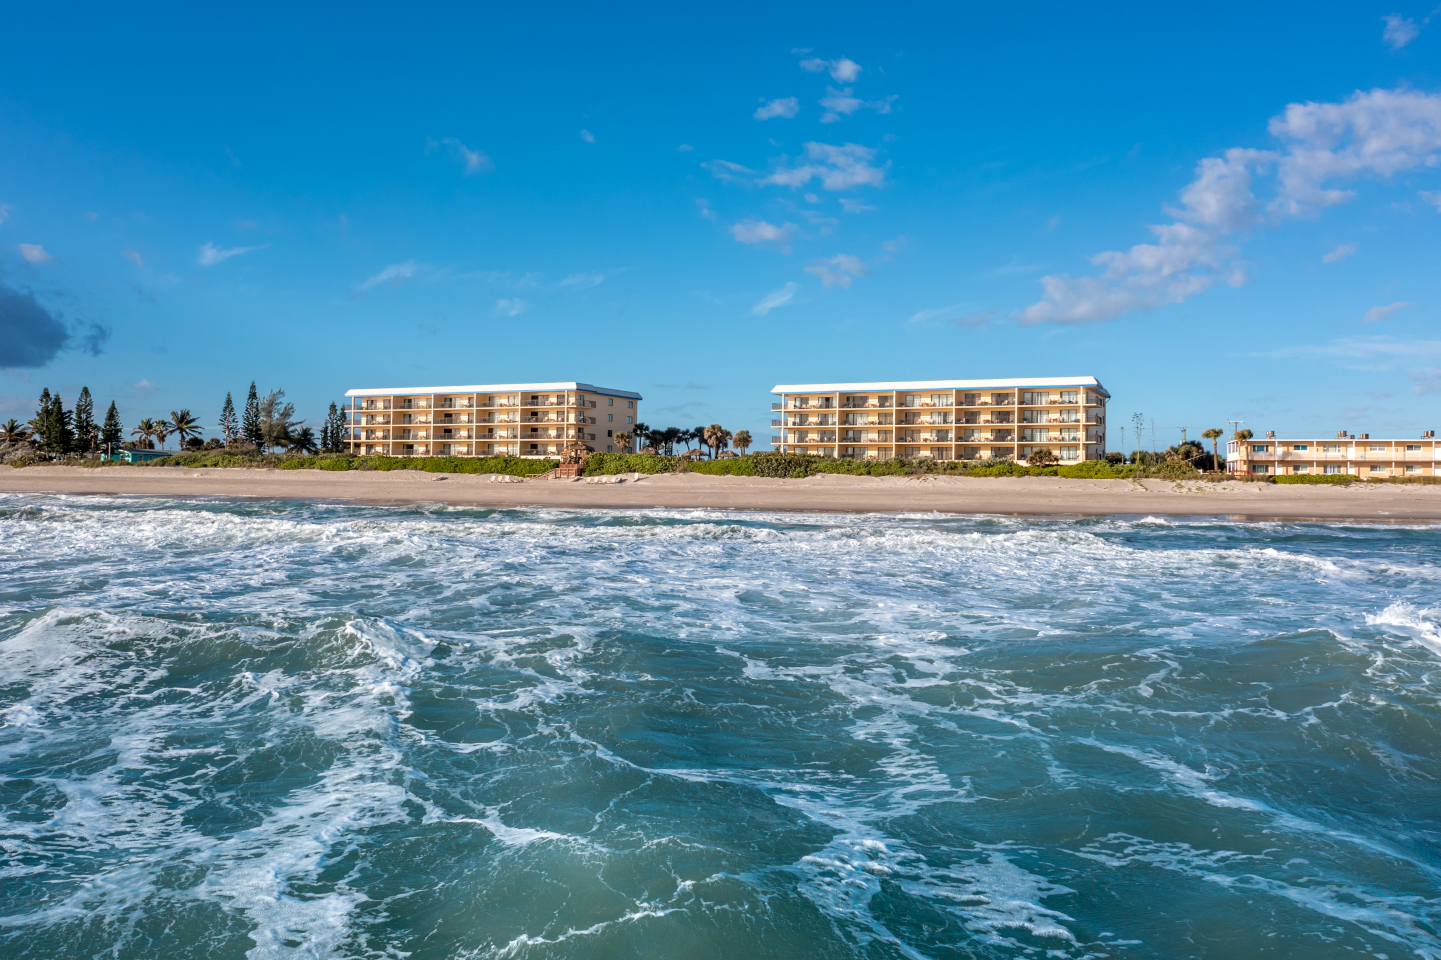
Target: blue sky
x: 1234, y: 215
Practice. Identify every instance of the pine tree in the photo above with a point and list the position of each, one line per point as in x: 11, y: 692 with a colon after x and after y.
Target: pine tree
x: 228, y: 426
x: 250, y: 424
x: 334, y: 431
x: 112, y: 434
x: 85, y: 429
x: 53, y: 425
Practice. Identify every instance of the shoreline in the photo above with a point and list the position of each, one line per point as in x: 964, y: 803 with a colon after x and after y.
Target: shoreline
x: 830, y: 493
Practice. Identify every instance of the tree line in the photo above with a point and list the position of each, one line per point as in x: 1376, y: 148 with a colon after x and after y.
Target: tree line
x: 267, y: 424
x: 713, y: 438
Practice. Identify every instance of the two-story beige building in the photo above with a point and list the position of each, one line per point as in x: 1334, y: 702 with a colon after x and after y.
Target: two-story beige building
x: 1355, y: 454
x: 943, y: 419
x: 511, y: 419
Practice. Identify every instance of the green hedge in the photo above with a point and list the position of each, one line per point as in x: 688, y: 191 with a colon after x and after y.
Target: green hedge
x: 602, y: 464
x: 514, y: 466
x: 1339, y: 479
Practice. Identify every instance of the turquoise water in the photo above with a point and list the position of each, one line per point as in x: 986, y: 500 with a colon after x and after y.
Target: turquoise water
x: 306, y: 730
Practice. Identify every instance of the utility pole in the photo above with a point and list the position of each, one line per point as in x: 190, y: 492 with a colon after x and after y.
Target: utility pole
x: 1235, y: 426
x: 1153, y: 434
x: 1183, y: 436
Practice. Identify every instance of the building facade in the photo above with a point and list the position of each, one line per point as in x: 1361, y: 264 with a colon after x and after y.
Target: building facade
x: 496, y: 419
x: 944, y: 419
x: 1355, y: 454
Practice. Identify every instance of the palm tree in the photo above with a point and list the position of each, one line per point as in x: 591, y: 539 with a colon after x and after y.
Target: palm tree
x: 716, y: 437
x: 183, y: 425
x: 1243, y: 435
x: 162, y: 430
x: 742, y: 440
x: 623, y: 439
x: 302, y: 441
x: 145, y: 430
x: 641, y: 433
x: 12, y: 431
x: 1212, y: 435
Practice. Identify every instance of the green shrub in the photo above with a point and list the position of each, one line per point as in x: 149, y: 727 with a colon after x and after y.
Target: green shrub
x: 602, y: 464
x: 730, y: 467
x: 1340, y: 479
x: 1096, y: 470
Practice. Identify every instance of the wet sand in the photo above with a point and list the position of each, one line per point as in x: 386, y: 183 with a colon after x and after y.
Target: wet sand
x: 1054, y: 496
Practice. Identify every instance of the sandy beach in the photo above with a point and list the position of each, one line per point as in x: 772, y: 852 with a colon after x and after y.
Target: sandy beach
x: 1034, y: 496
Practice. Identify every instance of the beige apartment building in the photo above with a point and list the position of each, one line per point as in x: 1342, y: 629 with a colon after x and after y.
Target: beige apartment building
x: 510, y: 419
x: 944, y: 419
x: 1345, y: 453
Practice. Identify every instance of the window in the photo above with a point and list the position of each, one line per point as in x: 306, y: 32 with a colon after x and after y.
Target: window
x: 972, y: 399
x: 1069, y: 396
x: 1260, y: 447
x: 1034, y: 397
x: 610, y: 418
x: 1300, y: 446
x: 1413, y: 448
x: 1377, y: 468
x: 1377, y: 448
x: 1260, y: 468
x: 1333, y: 469
x: 1036, y: 435
x: 1411, y: 468
x: 1070, y: 453
x: 630, y: 404
x: 940, y: 399
x: 629, y: 420
x: 610, y: 402
x: 610, y: 449
x: 1301, y: 468
x: 1330, y: 448
x: 610, y: 433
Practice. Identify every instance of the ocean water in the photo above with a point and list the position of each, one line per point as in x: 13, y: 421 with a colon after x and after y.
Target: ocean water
x: 308, y: 730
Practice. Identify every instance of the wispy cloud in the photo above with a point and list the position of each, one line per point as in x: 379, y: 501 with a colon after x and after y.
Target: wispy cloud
x: 1428, y: 381
x: 776, y: 298
x: 1376, y: 133
x: 1340, y: 253
x: 210, y: 254
x: 839, y: 270
x: 395, y: 275
x: 759, y: 231
x: 838, y: 167
x: 511, y: 308
x: 5, y: 209
x: 853, y: 205
x: 134, y: 257
x: 685, y: 148
x: 842, y: 103
x: 844, y: 70
x: 953, y: 316
x: 474, y: 161
x: 1377, y: 314
x: 582, y: 281
x: 1432, y: 197
x: 785, y: 107
x: 727, y: 171
x: 1398, y: 31
x: 33, y: 252
x: 1388, y: 352
x: 587, y: 136
x: 705, y: 210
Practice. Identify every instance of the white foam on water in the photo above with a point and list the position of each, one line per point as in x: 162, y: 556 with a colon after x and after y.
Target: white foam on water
x: 1422, y: 625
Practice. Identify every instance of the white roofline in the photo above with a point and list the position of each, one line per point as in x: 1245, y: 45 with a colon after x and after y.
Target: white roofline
x: 495, y: 388
x: 939, y: 385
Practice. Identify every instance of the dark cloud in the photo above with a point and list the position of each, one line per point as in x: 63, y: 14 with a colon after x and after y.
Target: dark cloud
x: 31, y: 336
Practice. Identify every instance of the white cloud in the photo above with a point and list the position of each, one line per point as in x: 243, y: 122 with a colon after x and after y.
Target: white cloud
x: 685, y: 148
x: 812, y: 198
x: 1399, y: 31
x: 759, y: 231
x: 785, y: 108
x: 705, y: 210
x: 33, y: 252
x: 843, y: 70
x: 727, y: 171
x: 144, y: 387
x: 134, y: 257
x: 1377, y: 133
x: 1340, y: 253
x: 1377, y: 314
x: 841, y: 103
x: 5, y: 209
x: 950, y: 317
x: 393, y: 274
x: 1427, y: 382
x: 853, y: 205
x: 210, y: 255
x: 582, y: 281
x: 837, y: 167
x: 839, y: 270
x: 1386, y: 350
x: 511, y: 308
x: 587, y: 136
x: 776, y: 298
x: 475, y: 160
x: 1432, y: 197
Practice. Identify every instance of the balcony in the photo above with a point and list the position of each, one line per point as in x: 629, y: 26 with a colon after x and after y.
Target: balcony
x: 865, y: 405
x: 453, y: 404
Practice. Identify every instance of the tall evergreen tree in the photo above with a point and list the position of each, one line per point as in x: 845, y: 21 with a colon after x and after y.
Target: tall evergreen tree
x: 228, y: 424
x: 54, y: 425
x: 112, y: 434
x: 86, y: 433
x: 333, y: 433
x: 250, y: 423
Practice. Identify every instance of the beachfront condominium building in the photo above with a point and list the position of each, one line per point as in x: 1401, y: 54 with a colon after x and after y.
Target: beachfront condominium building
x: 1345, y: 453
x: 492, y: 419
x: 943, y: 419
